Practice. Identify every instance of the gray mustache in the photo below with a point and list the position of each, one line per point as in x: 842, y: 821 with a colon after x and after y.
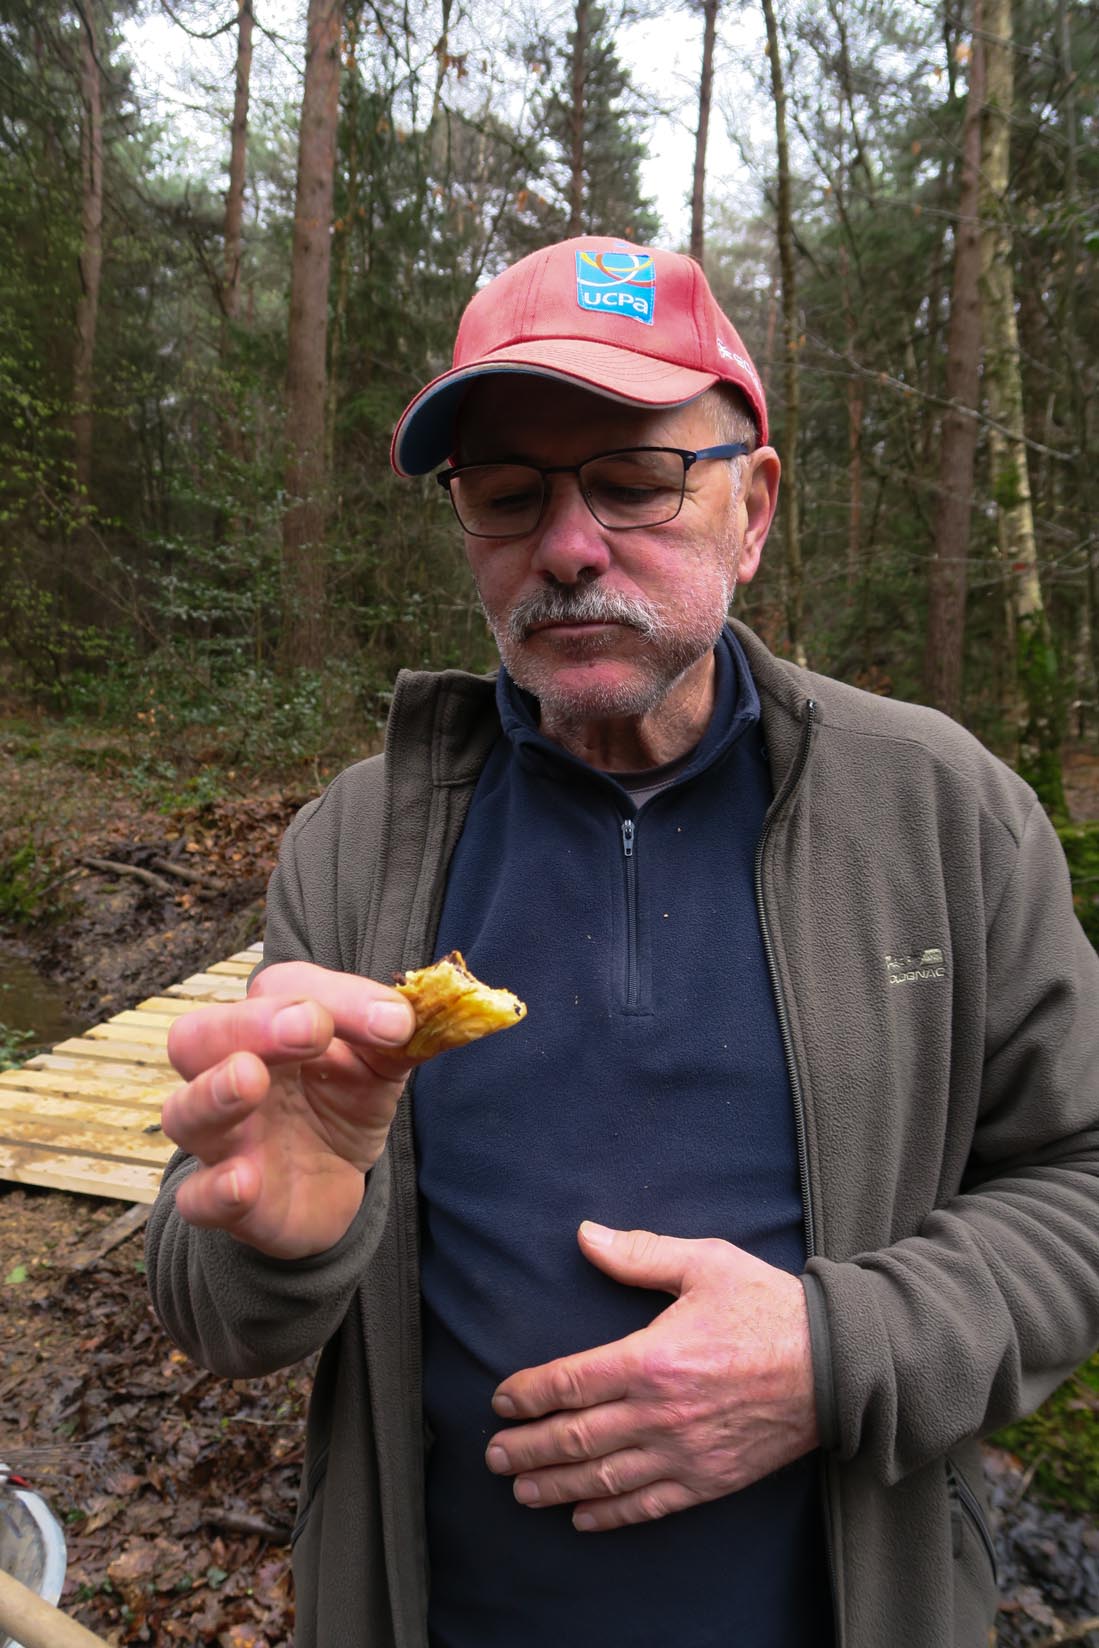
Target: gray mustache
x: 583, y: 605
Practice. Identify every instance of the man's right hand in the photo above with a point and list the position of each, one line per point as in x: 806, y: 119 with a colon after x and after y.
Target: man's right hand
x: 287, y: 1104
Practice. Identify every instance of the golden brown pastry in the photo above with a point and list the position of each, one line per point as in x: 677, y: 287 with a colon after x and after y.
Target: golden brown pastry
x: 452, y: 1007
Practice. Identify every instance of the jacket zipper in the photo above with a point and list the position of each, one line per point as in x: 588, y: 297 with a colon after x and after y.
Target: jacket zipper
x: 969, y: 1503
x: 633, y: 971
x: 796, y: 1090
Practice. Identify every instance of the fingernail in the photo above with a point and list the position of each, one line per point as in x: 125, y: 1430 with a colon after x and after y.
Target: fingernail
x: 584, y: 1522
x: 497, y: 1460
x: 504, y: 1406
x: 230, y: 1186
x: 296, y: 1026
x: 225, y: 1087
x: 390, y: 1021
x: 597, y: 1235
x: 526, y: 1491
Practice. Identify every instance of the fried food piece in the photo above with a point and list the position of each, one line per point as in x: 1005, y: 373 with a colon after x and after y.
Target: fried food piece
x: 452, y: 1007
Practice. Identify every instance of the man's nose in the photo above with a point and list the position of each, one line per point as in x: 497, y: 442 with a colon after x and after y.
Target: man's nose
x: 569, y: 542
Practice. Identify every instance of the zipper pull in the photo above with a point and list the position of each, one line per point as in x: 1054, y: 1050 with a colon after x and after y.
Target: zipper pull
x: 627, y: 837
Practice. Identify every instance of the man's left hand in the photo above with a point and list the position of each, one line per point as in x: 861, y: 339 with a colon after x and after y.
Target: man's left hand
x: 715, y: 1393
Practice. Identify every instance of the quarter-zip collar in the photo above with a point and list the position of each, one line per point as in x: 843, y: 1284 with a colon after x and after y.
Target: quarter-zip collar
x: 736, y: 708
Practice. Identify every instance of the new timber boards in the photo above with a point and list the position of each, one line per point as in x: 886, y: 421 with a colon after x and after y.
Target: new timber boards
x: 86, y: 1116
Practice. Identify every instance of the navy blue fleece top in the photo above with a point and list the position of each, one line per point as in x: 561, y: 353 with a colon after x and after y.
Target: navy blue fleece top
x: 646, y: 1088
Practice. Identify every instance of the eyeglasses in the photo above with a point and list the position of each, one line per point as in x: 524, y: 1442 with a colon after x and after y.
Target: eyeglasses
x: 640, y: 486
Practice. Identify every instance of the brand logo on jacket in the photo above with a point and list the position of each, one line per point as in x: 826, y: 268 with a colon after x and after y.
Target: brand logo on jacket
x: 924, y: 964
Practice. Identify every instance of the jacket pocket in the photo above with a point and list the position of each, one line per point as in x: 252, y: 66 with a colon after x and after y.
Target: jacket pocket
x: 308, y: 1497
x: 965, y: 1508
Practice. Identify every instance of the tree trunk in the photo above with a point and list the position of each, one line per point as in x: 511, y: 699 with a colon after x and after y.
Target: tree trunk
x: 91, y: 248
x: 795, y: 597
x: 304, y: 636
x: 947, y: 573
x: 576, y: 120
x: 1085, y: 485
x: 1040, y: 713
x: 238, y: 152
x: 854, y: 436
x: 705, y: 97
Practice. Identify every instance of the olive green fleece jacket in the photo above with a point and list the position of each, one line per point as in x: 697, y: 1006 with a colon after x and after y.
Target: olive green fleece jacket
x: 940, y: 1006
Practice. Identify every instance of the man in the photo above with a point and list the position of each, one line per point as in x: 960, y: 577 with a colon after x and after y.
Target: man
x: 672, y: 1314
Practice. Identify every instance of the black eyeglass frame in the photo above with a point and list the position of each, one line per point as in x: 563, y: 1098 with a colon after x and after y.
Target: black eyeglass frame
x: 733, y: 449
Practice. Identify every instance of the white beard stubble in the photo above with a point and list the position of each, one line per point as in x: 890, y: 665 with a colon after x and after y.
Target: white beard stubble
x: 671, y: 646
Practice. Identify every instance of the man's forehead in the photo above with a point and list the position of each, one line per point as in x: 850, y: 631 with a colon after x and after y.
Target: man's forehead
x: 515, y: 412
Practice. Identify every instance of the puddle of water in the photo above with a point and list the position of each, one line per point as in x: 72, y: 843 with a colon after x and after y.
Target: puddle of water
x: 29, y: 1001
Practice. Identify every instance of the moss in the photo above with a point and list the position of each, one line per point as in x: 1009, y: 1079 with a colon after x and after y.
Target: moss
x: 1041, y: 735
x: 1061, y: 1443
x: 1081, y: 844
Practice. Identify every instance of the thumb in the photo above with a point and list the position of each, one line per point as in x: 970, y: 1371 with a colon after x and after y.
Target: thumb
x: 639, y: 1258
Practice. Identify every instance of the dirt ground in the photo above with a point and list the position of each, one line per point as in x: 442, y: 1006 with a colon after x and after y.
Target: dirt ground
x: 176, y: 1489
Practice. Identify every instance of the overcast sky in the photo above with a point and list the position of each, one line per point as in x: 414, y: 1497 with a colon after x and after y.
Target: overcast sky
x: 664, y: 56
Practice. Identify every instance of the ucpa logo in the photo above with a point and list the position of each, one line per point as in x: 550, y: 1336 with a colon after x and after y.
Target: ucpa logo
x: 618, y: 283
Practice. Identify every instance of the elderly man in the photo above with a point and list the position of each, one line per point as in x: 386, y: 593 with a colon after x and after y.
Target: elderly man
x: 672, y: 1315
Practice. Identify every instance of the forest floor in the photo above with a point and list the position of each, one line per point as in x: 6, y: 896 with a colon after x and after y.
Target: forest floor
x: 177, y: 1489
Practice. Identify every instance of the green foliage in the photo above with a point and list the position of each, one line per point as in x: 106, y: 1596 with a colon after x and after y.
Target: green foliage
x: 1081, y: 844
x: 1061, y: 1442
x: 612, y: 202
x: 15, y: 1046
x: 1042, y: 690
x: 26, y: 879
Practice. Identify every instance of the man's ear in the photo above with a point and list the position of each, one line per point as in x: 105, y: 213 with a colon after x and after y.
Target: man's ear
x: 758, y: 501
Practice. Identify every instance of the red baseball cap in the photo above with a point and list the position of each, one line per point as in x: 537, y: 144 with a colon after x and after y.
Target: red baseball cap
x: 637, y: 325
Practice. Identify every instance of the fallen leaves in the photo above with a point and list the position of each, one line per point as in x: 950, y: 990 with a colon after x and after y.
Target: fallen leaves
x: 177, y: 1490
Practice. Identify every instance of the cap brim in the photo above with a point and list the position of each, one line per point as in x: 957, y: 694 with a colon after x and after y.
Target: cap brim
x: 424, y: 437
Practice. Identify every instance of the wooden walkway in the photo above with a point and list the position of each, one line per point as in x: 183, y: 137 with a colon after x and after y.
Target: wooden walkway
x: 85, y: 1117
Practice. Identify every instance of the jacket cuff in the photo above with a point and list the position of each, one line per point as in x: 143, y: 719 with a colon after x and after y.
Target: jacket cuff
x: 820, y: 1340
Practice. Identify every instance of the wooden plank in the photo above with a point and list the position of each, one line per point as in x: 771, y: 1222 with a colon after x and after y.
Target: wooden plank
x: 128, y: 1052
x: 172, y: 1007
x: 147, y: 1074
x: 66, y: 1084
x: 76, y: 1140
x: 53, y: 1109
x: 143, y: 1020
x: 154, y: 1036
x: 86, y: 1175
x: 84, y: 1116
x: 209, y: 986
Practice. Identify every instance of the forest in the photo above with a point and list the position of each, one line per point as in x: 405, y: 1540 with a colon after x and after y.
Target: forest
x: 213, y: 307
x: 235, y: 237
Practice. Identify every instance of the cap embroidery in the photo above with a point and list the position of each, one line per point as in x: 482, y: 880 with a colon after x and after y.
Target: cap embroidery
x: 617, y: 283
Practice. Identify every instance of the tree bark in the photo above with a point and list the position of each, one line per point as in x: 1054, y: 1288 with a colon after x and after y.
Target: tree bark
x: 705, y: 98
x: 1089, y: 685
x: 1040, y: 712
x: 947, y: 573
x: 795, y: 597
x: 304, y: 633
x: 238, y: 153
x: 855, y: 405
x: 91, y: 248
x: 576, y: 120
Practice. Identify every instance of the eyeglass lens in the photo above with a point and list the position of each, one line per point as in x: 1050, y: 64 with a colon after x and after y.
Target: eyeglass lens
x: 622, y: 489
